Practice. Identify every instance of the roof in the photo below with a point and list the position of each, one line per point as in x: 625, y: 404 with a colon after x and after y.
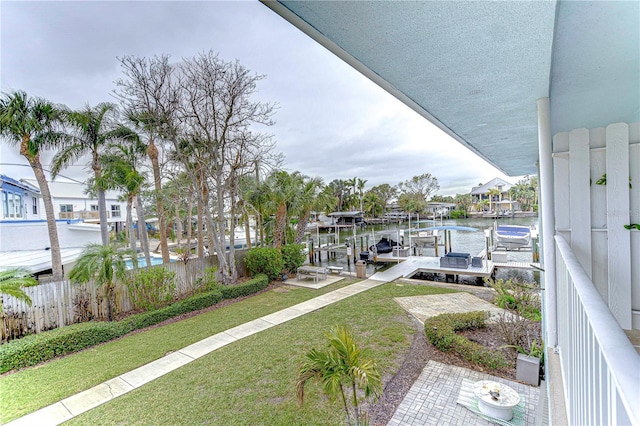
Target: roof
x: 22, y: 185
x: 36, y: 260
x: 477, y: 68
x: 493, y: 183
x: 346, y: 214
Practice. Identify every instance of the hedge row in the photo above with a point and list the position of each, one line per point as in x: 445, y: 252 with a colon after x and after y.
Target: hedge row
x: 37, y: 348
x: 258, y: 283
x: 441, y: 332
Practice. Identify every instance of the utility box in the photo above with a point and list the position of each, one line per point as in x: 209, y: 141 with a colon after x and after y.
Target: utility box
x: 361, y: 269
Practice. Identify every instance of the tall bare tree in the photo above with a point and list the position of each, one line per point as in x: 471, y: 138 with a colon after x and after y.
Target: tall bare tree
x: 218, y: 114
x: 150, y: 96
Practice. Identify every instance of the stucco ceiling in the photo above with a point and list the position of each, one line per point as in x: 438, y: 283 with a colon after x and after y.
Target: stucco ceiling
x: 476, y: 68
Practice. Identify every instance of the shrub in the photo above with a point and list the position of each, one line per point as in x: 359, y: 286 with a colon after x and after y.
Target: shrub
x: 518, y: 295
x: 208, y: 281
x: 265, y: 260
x: 458, y: 214
x: 41, y: 347
x: 152, y: 288
x: 292, y: 256
x: 254, y: 285
x: 441, y: 332
x: 36, y: 348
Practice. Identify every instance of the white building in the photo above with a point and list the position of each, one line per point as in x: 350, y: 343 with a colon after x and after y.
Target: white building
x: 24, y: 238
x: 70, y: 201
x: 538, y: 87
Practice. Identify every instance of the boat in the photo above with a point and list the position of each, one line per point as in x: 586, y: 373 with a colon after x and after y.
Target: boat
x: 385, y: 245
x: 512, y: 236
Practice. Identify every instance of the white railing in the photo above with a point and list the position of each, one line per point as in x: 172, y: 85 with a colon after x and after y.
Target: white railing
x: 600, y: 367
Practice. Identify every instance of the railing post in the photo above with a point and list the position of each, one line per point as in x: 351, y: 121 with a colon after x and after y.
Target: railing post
x: 547, y: 221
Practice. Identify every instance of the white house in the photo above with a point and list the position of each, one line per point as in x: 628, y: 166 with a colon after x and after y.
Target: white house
x: 538, y: 87
x: 70, y: 201
x: 482, y: 192
x: 24, y: 238
x: 20, y: 200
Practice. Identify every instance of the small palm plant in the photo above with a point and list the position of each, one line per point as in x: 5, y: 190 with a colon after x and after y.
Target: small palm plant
x: 103, y: 264
x: 13, y: 280
x: 344, y: 373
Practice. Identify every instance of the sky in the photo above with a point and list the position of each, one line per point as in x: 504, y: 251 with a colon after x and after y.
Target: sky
x: 331, y: 121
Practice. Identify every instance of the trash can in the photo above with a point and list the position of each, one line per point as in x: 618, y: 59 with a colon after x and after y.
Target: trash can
x: 361, y: 269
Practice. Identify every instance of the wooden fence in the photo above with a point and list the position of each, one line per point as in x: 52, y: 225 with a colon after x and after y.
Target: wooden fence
x: 56, y: 304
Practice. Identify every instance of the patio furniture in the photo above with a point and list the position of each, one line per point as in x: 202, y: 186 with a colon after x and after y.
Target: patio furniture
x: 314, y: 272
x: 496, y: 399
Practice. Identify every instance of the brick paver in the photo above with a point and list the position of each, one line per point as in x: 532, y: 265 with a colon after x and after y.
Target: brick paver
x: 432, y: 398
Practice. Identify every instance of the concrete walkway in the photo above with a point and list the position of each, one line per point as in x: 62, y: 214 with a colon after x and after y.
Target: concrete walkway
x: 77, y: 404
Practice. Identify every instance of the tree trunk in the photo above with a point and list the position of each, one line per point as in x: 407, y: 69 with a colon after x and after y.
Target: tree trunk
x: 130, y: 234
x: 152, y: 152
x: 142, y: 230
x: 52, y: 229
x: 302, y: 226
x: 189, y: 223
x: 247, y: 229
x: 178, y: 223
x: 102, y: 202
x: 280, y: 227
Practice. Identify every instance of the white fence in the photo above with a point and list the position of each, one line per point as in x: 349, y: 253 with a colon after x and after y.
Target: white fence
x: 57, y: 304
x: 600, y: 367
x: 597, y: 193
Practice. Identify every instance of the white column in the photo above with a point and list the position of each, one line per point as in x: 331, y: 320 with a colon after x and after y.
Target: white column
x: 547, y: 221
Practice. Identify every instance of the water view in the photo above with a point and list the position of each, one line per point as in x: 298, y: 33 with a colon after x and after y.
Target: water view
x: 472, y: 242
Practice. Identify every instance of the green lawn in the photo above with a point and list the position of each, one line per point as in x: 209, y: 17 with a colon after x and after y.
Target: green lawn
x: 248, y: 382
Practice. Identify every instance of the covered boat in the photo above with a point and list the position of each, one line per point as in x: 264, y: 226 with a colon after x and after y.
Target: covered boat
x: 385, y: 245
x: 512, y: 236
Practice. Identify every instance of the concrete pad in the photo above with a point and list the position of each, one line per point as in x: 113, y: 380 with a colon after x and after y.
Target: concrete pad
x: 210, y: 344
x: 283, y: 315
x: 51, y: 415
x: 308, y: 283
x: 97, y: 395
x: 155, y: 369
x: 249, y: 328
x: 423, y: 307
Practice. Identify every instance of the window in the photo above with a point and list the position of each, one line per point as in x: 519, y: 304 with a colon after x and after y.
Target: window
x: 35, y: 205
x: 94, y: 207
x: 115, y: 210
x: 11, y: 205
x: 66, y: 208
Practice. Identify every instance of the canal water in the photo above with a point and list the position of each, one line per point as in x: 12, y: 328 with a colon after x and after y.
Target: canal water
x: 472, y: 242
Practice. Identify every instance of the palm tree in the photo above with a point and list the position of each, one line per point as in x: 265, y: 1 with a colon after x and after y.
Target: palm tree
x: 339, y: 367
x: 307, y: 200
x: 283, y: 189
x: 120, y: 173
x: 372, y: 204
x: 360, y: 186
x: 13, y: 280
x: 31, y: 124
x: 94, y: 130
x: 105, y: 265
x: 491, y: 193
